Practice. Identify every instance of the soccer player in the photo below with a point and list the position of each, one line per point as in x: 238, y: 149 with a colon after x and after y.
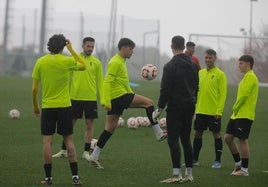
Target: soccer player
x: 209, y: 108
x: 179, y: 86
x: 243, y: 116
x: 190, y: 49
x: 53, y: 72
x: 84, y: 88
x: 119, y: 96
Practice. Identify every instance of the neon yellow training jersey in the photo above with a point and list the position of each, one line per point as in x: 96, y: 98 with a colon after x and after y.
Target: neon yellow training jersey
x: 86, y: 84
x: 212, y: 92
x: 54, y: 73
x: 116, y: 81
x: 246, y: 99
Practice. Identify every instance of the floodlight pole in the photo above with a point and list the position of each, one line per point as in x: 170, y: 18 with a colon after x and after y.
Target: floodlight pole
x: 43, y: 27
x: 250, y: 25
x: 82, y: 23
x: 112, y: 28
x: 6, y: 31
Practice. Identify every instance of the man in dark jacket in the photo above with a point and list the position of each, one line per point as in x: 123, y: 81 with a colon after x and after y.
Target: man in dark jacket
x: 179, y: 86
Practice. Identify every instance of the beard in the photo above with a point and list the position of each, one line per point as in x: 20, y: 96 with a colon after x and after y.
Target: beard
x: 88, y: 53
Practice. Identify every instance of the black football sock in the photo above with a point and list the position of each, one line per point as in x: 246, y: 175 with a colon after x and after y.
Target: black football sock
x: 197, y: 147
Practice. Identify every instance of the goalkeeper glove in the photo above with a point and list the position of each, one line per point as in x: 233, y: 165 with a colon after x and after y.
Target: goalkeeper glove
x: 156, y: 114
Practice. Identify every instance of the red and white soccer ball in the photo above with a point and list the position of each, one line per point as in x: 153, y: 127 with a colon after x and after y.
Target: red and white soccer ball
x: 132, y: 123
x: 120, y: 122
x: 149, y: 71
x: 146, y: 122
x: 14, y: 114
x: 140, y: 120
x: 162, y: 122
x: 93, y: 144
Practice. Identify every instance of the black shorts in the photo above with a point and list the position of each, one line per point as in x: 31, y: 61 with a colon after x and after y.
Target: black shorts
x: 203, y: 122
x: 239, y: 128
x: 56, y: 119
x: 121, y: 103
x: 89, y: 108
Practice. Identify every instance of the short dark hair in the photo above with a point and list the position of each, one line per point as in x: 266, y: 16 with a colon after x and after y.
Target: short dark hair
x: 177, y: 43
x: 56, y: 43
x: 190, y: 44
x: 88, y: 39
x: 211, y: 52
x: 247, y: 58
x: 123, y: 42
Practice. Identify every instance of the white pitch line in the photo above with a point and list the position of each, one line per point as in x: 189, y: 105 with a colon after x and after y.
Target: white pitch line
x: 265, y: 171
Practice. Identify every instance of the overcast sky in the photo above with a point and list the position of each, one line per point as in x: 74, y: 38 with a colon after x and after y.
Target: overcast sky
x: 182, y: 17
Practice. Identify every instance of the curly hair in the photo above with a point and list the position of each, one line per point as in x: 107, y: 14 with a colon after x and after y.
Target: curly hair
x: 56, y: 43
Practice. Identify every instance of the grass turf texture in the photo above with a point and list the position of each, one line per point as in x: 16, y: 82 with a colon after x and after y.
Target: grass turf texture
x: 130, y: 158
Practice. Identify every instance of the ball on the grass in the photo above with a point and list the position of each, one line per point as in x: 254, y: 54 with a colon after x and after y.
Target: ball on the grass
x: 14, y: 114
x: 132, y: 123
x: 139, y: 120
x: 163, y: 122
x: 120, y: 122
x: 149, y: 71
x: 146, y: 122
x: 93, y: 144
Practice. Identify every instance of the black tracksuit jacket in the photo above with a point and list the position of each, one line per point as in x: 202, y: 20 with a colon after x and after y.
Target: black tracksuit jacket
x: 179, y: 84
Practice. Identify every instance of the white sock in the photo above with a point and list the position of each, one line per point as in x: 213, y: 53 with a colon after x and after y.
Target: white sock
x: 238, y: 163
x: 244, y: 169
x: 176, y: 171
x: 188, y: 171
x: 157, y: 129
x: 95, y: 154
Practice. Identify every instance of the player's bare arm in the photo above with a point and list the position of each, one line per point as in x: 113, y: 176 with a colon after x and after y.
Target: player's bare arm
x: 35, y: 87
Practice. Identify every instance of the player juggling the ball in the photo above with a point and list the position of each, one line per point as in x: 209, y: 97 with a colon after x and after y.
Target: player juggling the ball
x: 118, y: 96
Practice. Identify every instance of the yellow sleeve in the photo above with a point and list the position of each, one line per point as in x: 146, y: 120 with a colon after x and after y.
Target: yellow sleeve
x: 100, y: 83
x: 76, y: 56
x: 223, y: 93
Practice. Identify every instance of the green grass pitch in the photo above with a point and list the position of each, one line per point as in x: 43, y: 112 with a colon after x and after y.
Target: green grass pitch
x: 131, y: 158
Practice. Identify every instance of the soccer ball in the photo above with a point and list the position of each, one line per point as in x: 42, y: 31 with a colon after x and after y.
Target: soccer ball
x: 14, y: 114
x: 149, y: 72
x: 146, y: 122
x: 162, y: 122
x: 120, y: 122
x: 132, y: 123
x: 140, y: 120
x: 93, y: 144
